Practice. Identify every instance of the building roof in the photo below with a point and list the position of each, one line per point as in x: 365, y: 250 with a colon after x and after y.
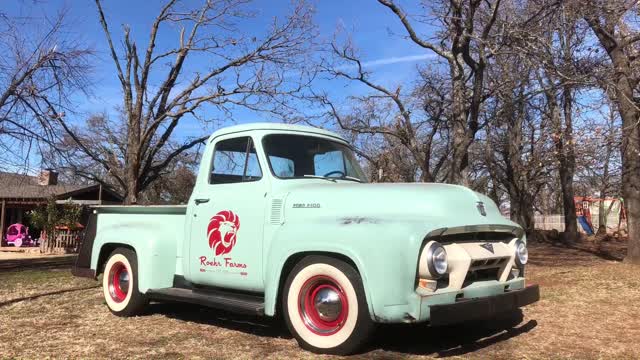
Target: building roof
x: 19, y: 186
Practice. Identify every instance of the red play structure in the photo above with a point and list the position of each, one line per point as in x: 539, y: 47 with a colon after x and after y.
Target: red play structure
x: 584, y: 205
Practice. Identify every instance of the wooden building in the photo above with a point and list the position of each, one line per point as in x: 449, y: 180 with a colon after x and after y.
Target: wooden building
x: 21, y: 193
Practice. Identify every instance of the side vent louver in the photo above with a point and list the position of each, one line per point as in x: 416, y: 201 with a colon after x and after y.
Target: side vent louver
x: 276, y: 212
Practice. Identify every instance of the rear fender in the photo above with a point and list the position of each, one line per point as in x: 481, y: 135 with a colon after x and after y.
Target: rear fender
x: 155, y: 253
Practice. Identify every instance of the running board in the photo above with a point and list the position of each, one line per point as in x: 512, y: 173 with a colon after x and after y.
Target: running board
x: 218, y: 299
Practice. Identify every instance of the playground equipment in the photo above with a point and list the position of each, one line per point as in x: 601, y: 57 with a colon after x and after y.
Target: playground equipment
x: 18, y: 235
x: 586, y: 206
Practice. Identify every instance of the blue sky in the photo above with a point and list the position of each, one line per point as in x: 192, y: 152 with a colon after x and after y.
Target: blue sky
x: 375, y: 30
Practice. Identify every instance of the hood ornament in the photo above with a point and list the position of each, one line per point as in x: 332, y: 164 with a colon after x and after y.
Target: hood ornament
x: 481, y: 208
x: 488, y: 247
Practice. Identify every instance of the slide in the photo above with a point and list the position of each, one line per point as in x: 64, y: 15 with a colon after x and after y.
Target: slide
x: 585, y: 225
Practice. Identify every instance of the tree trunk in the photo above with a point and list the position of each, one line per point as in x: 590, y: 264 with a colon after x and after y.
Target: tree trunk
x: 459, y: 171
x: 567, y: 160
x: 629, y: 109
x: 521, y: 209
x: 602, y: 213
x: 131, y: 191
x: 602, y: 217
x: 631, y: 176
x: 630, y: 150
x: 132, y: 166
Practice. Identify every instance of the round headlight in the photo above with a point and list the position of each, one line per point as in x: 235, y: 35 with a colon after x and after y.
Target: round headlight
x: 433, y: 261
x: 439, y: 260
x: 522, y: 254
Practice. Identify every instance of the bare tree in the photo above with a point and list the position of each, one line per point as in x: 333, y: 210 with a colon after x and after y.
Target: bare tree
x: 615, y: 25
x: 463, y: 43
x: 599, y: 162
x: 41, y: 66
x: 517, y: 144
x: 399, y: 132
x: 562, y: 76
x: 158, y: 92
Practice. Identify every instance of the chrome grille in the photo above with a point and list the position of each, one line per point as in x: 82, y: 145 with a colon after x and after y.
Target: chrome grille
x: 489, y: 263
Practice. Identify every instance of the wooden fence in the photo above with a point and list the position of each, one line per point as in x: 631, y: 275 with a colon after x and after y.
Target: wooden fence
x: 63, y: 241
x: 556, y: 222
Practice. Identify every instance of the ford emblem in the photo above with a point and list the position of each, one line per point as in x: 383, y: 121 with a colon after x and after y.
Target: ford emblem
x: 481, y: 208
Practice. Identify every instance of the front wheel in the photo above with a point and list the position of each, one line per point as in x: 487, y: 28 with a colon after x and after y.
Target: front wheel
x: 325, y: 307
x: 120, y: 284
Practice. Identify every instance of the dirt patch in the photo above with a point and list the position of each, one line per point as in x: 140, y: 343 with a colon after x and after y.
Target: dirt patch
x: 24, y: 284
x: 588, y: 310
x: 14, y: 253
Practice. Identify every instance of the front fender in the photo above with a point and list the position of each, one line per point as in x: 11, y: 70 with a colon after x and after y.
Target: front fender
x: 384, y: 251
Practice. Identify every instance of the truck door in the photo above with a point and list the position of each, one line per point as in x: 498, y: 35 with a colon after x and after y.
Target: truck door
x: 228, y: 218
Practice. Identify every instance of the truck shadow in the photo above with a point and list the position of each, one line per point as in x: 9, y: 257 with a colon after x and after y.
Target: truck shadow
x: 417, y: 339
x: 255, y: 325
x: 454, y: 340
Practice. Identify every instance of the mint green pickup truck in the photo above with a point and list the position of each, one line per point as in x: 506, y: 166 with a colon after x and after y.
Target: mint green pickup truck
x: 282, y: 220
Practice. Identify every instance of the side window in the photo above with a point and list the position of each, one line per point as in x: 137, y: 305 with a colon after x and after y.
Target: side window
x: 282, y: 167
x: 235, y: 160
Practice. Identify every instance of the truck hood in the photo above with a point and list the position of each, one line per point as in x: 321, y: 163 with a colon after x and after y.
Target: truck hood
x: 442, y: 204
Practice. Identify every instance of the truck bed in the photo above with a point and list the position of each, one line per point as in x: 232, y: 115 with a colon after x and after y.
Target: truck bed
x: 141, y: 209
x: 162, y: 224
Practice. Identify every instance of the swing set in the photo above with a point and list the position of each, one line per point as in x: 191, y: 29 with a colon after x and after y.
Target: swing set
x: 584, y: 206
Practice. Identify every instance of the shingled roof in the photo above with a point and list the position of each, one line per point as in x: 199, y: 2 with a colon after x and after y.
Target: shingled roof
x: 18, y: 186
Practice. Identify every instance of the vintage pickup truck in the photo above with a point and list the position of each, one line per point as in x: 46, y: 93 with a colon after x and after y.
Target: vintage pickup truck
x: 283, y: 221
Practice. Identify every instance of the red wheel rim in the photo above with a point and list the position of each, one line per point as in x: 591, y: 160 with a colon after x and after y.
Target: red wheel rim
x: 118, y: 282
x: 323, y: 305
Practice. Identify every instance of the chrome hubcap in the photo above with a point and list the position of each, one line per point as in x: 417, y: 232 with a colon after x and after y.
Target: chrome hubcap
x: 323, y: 305
x: 328, y: 304
x: 118, y: 282
x: 124, y: 282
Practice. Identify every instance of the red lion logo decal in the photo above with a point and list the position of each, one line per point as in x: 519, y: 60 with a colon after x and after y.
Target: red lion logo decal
x: 222, y: 231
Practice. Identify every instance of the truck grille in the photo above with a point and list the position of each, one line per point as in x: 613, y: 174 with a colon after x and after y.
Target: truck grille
x: 489, y: 263
x: 484, y: 270
x: 481, y: 275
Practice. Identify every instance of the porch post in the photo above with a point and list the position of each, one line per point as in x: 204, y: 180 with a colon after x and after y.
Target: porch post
x: 2, y: 210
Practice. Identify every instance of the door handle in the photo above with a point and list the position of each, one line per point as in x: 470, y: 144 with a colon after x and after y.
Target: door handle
x: 201, y: 201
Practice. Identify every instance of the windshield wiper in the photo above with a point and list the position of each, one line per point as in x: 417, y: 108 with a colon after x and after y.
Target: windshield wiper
x: 320, y: 177
x: 350, y: 178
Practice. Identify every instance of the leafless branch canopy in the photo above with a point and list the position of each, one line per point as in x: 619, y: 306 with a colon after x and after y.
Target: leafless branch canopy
x: 40, y: 68
x: 215, y: 66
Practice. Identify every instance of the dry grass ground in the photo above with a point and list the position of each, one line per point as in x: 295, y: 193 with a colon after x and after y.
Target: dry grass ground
x: 589, y: 309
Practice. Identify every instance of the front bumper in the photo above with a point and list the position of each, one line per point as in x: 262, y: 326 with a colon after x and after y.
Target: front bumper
x: 466, y: 309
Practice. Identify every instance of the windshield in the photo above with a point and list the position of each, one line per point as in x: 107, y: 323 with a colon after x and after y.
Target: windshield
x: 298, y: 156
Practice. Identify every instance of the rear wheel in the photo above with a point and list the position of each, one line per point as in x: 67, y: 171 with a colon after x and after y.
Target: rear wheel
x: 325, y: 307
x: 120, y: 284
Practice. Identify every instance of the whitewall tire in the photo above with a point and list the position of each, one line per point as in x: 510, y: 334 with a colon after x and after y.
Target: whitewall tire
x: 120, y: 284
x: 325, y: 307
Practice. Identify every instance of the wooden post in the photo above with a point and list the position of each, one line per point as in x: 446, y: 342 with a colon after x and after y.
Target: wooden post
x: 2, y: 210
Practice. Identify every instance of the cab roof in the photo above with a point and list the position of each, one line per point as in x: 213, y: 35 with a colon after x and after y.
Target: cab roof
x: 274, y: 127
